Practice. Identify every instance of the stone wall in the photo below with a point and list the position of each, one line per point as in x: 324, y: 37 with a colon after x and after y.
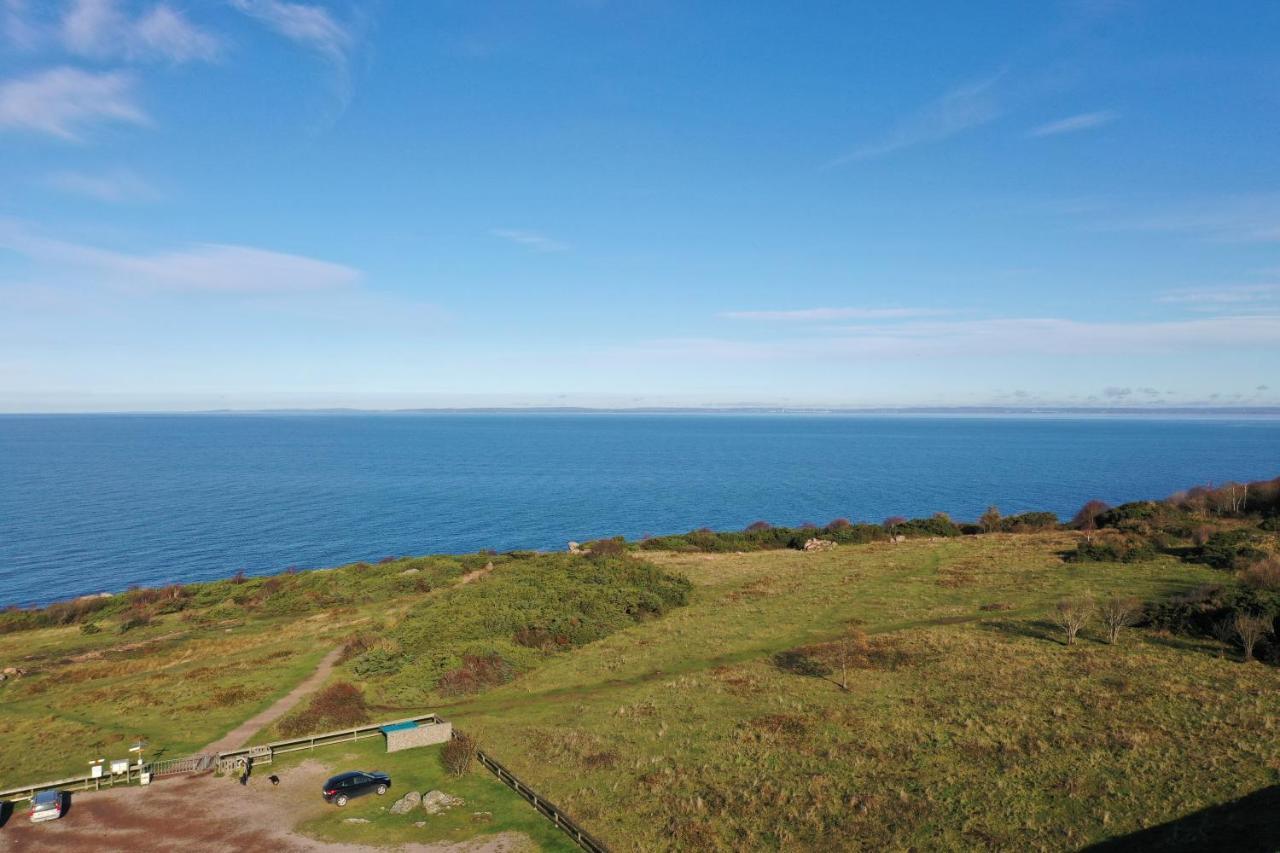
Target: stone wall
x: 424, y: 734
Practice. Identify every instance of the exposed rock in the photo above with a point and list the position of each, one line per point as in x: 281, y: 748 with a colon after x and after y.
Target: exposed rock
x: 435, y: 802
x: 899, y: 538
x: 575, y: 548
x: 355, y: 820
x: 819, y: 545
x: 410, y: 571
x: 419, y: 823
x: 407, y: 803
x: 481, y: 817
x: 14, y: 671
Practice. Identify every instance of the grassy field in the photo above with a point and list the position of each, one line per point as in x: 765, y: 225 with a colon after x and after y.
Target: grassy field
x: 963, y: 727
x: 488, y: 806
x: 183, y: 679
x: 656, y: 711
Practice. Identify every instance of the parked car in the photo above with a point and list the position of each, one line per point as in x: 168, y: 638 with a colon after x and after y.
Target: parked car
x: 355, y: 783
x: 46, y: 805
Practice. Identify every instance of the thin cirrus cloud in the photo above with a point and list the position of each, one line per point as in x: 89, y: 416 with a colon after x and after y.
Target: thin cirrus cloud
x: 310, y: 26
x: 530, y: 240
x: 66, y: 101
x: 1073, y: 124
x: 201, y: 267
x: 805, y: 314
x: 961, y: 109
x: 117, y: 186
x: 1243, y: 294
x: 99, y: 29
x: 992, y: 337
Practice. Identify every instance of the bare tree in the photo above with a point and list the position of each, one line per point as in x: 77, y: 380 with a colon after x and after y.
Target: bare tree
x: 1119, y: 612
x: 851, y: 645
x: 1072, y: 614
x: 990, y: 520
x: 1249, y: 629
x: 892, y: 523
x: 1087, y: 518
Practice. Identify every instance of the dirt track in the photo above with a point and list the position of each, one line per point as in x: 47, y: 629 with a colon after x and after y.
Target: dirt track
x: 241, y: 734
x: 211, y: 815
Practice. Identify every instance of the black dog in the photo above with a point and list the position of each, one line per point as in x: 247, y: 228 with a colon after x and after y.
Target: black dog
x: 275, y: 780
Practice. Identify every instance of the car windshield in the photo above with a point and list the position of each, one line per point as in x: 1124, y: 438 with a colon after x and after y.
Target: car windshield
x: 46, y: 798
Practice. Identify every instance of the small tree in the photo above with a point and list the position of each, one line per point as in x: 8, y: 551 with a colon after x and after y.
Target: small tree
x: 1249, y: 629
x: 990, y: 520
x: 1119, y: 612
x: 458, y: 752
x: 1086, y: 519
x: 893, y: 522
x: 851, y: 646
x: 1072, y: 614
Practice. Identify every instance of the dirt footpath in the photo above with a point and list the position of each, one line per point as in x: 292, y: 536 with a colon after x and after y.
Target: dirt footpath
x: 241, y: 734
x: 211, y: 815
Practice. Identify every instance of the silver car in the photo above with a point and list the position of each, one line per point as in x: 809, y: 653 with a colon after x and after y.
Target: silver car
x: 46, y: 805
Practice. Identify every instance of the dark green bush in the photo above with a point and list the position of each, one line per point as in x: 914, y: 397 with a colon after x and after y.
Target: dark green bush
x: 1231, y: 549
x: 1112, y: 549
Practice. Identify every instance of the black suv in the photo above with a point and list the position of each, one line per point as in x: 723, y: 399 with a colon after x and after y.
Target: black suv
x: 356, y: 783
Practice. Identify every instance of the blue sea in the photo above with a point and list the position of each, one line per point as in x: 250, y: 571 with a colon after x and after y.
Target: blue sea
x: 93, y: 503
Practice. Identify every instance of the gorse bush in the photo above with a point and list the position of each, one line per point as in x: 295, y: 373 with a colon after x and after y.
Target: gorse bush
x: 339, y: 706
x: 477, y: 635
x: 1231, y: 549
x: 1112, y: 548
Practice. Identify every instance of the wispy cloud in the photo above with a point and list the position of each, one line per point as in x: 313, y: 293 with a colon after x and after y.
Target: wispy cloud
x: 1217, y: 296
x: 959, y: 110
x: 803, y: 314
x: 101, y: 30
x: 1074, y: 124
x: 202, y: 267
x: 1251, y: 218
x: 65, y: 101
x: 990, y: 337
x: 531, y: 239
x: 117, y: 186
x: 310, y: 26
x: 16, y: 25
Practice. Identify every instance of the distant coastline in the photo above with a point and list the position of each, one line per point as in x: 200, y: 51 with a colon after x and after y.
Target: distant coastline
x: 943, y: 411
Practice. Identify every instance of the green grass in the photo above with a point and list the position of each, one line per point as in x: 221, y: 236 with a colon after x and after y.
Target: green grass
x: 967, y: 725
x: 500, y: 809
x: 969, y: 729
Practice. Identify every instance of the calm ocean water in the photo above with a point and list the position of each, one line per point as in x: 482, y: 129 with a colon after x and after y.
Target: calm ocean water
x: 100, y: 502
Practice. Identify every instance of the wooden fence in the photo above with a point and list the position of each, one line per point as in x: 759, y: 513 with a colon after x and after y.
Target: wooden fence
x: 202, y: 762
x: 226, y: 761
x: 544, y: 806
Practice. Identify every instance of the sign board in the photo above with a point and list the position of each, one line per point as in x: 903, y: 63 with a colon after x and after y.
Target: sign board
x: 119, y: 765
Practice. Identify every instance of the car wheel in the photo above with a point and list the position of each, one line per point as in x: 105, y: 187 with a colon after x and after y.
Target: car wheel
x: 381, y: 789
x: 342, y: 800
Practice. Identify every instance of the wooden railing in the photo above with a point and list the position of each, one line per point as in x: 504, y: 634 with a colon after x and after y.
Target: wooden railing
x: 543, y: 805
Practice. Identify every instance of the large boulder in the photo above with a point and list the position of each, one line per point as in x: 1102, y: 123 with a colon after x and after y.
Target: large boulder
x: 816, y: 544
x: 435, y: 802
x: 407, y: 803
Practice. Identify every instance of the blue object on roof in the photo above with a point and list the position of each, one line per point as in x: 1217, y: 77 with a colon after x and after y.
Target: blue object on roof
x: 399, y: 727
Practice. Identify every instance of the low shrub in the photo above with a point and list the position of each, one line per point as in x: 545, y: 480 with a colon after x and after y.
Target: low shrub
x: 1115, y: 548
x: 1231, y: 549
x: 341, y: 705
x: 478, y: 672
x: 456, y: 755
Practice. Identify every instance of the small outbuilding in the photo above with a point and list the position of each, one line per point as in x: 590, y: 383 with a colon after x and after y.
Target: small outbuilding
x: 412, y: 733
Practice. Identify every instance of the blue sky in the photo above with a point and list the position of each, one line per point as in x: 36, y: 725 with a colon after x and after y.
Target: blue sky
x: 258, y: 203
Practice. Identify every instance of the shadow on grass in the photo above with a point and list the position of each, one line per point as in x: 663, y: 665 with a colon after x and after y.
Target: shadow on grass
x: 1248, y: 825
x: 1036, y: 629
